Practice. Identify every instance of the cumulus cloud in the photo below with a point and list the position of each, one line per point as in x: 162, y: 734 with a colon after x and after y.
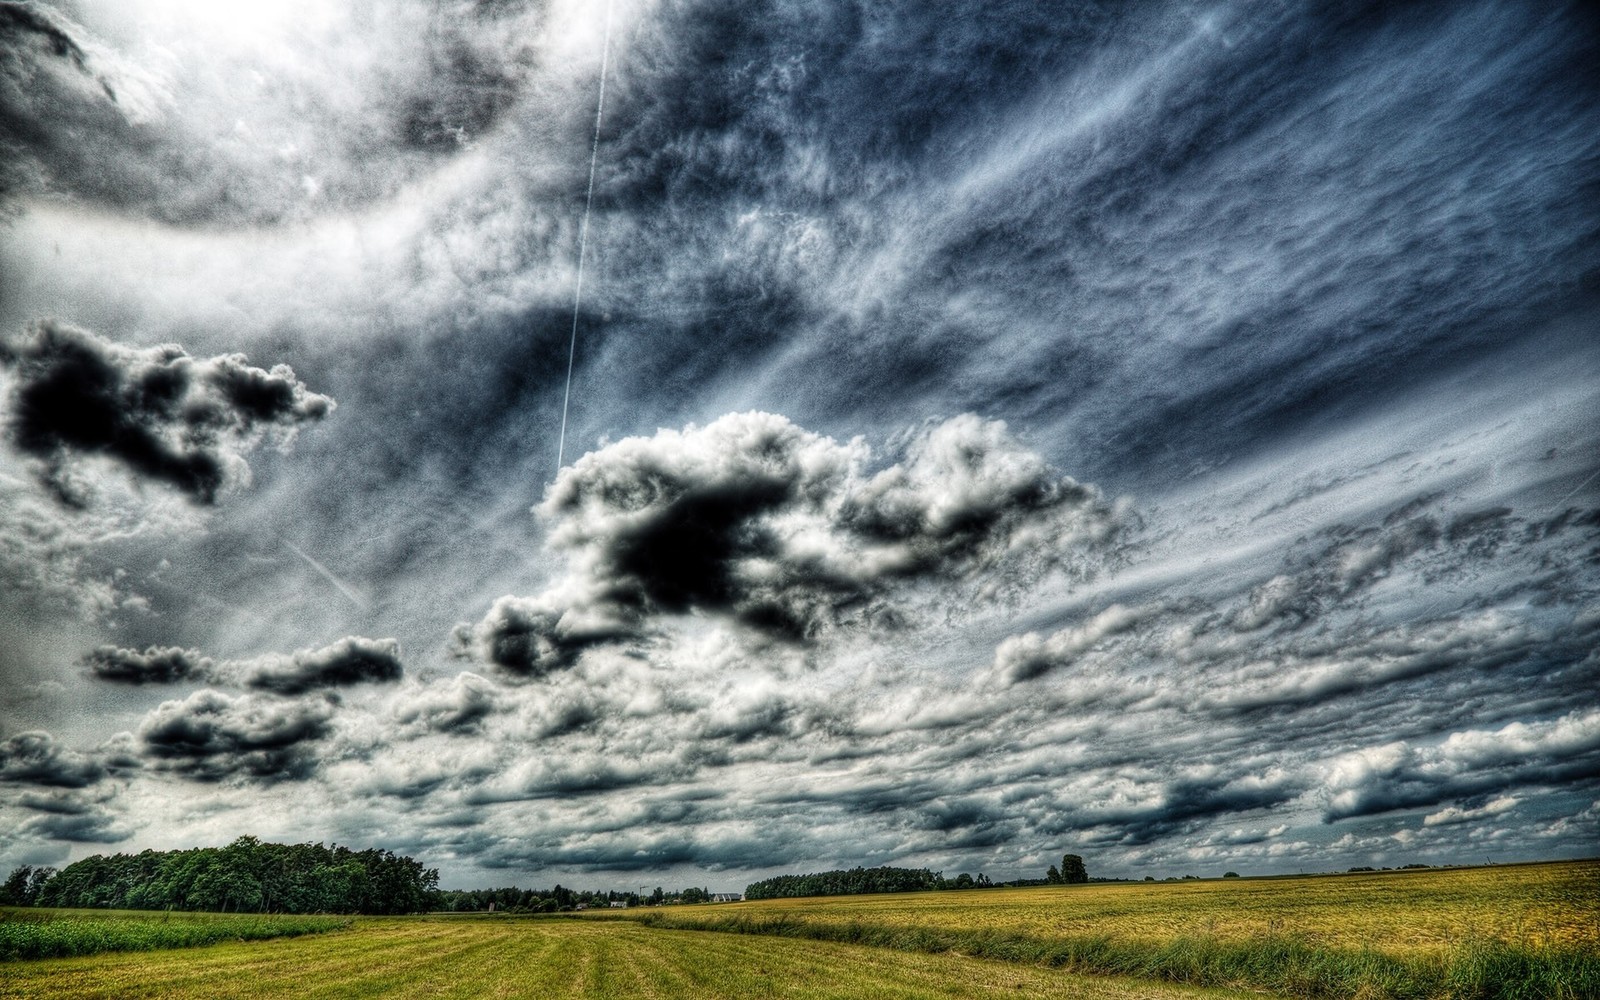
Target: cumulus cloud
x: 459, y: 707
x: 1024, y: 657
x: 35, y: 758
x: 1466, y: 814
x: 1401, y: 775
x: 74, y: 815
x: 754, y: 520
x: 351, y: 660
x: 211, y: 735
x: 155, y: 665
x: 161, y: 414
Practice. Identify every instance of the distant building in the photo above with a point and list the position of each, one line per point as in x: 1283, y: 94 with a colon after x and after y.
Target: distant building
x: 727, y: 897
x: 619, y: 904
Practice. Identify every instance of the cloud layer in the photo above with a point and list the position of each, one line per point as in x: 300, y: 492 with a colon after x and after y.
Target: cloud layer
x: 1312, y: 287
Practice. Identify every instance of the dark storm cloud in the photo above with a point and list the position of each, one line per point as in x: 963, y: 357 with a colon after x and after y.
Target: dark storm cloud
x: 756, y: 520
x: 74, y: 816
x: 211, y: 735
x: 91, y: 828
x: 163, y: 415
x: 37, y: 759
x: 351, y: 660
x: 155, y: 665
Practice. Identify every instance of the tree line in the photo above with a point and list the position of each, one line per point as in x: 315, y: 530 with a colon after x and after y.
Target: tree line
x: 511, y: 899
x: 247, y: 876
x: 858, y: 881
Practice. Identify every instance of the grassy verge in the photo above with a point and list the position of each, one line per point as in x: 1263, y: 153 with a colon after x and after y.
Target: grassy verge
x: 1489, y: 970
x: 63, y: 933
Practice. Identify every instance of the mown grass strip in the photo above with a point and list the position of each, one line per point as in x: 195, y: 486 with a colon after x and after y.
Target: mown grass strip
x: 407, y: 958
x: 35, y: 934
x: 1489, y: 970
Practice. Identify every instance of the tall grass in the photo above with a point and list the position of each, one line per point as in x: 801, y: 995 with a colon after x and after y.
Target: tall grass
x: 1487, y: 970
x: 65, y: 933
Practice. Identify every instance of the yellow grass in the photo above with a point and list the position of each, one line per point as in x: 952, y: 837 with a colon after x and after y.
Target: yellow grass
x: 1405, y: 914
x: 442, y: 958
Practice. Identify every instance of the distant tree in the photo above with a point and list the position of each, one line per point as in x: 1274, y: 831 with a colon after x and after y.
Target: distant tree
x: 15, y: 890
x: 36, y: 883
x: 695, y: 894
x: 963, y: 881
x: 1149, y: 878
x: 1230, y: 874
x: 1053, y: 876
x: 1072, y: 870
x: 845, y: 883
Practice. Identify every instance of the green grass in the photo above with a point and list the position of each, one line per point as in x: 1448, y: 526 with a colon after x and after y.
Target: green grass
x: 27, y: 933
x: 545, y: 958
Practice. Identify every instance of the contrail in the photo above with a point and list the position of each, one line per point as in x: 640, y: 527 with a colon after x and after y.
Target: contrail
x: 583, y: 236
x: 1578, y: 487
x: 344, y: 589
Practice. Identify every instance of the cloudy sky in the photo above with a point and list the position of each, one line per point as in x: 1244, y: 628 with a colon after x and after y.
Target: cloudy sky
x: 1164, y: 432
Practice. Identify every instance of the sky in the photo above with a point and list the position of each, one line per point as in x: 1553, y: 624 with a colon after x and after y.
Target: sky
x: 1162, y: 432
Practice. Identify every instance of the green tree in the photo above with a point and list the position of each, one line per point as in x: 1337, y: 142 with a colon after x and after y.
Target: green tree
x: 1053, y: 876
x: 15, y: 891
x: 1072, y: 870
x: 37, y: 881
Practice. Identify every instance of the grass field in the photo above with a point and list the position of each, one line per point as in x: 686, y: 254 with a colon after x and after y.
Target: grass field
x: 1507, y: 931
x: 1402, y: 913
x: 1516, y: 932
x: 27, y: 933
x: 541, y: 958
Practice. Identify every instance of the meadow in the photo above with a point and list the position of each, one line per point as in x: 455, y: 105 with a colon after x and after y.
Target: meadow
x: 51, y: 933
x: 1516, y: 932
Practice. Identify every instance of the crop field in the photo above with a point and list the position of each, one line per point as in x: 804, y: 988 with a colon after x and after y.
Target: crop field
x: 1513, y: 930
x: 28, y: 933
x: 1406, y: 913
x: 545, y: 958
x: 1517, y: 932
